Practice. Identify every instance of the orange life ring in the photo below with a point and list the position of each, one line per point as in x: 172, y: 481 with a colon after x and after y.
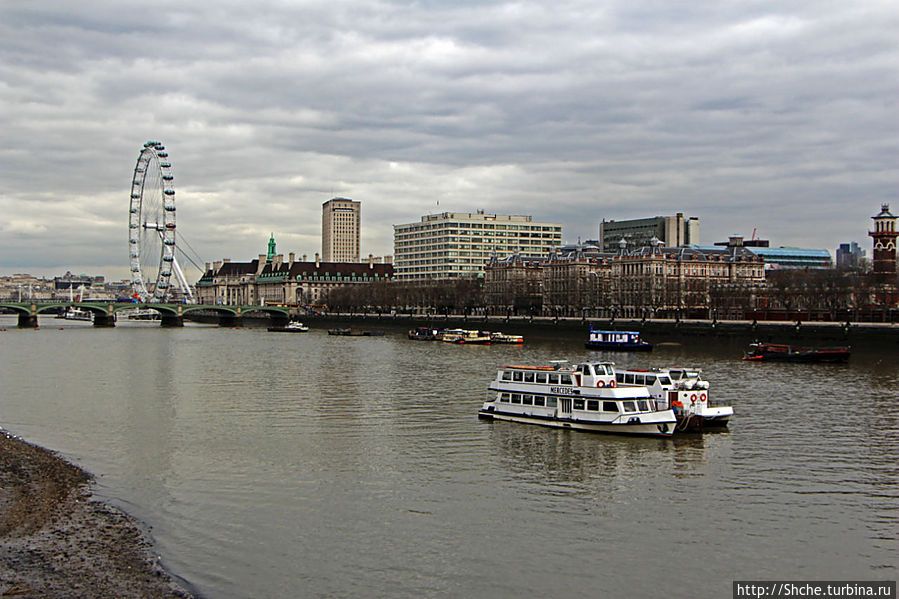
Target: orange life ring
x: 702, y: 397
x: 693, y: 398
x: 612, y: 384
x: 601, y: 383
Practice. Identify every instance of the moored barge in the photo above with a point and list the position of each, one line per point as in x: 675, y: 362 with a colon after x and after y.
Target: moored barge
x: 775, y: 352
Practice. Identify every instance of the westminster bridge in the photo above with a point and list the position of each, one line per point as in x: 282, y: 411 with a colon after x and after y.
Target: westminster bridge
x: 171, y: 315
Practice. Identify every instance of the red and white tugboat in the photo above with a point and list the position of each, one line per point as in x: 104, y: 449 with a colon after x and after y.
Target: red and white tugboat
x: 584, y: 397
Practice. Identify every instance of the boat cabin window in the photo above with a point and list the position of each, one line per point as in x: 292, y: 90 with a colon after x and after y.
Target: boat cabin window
x: 643, y: 405
x: 504, y: 397
x: 565, y: 379
x: 528, y: 377
x: 593, y: 405
x: 516, y: 398
x: 517, y: 376
x: 578, y: 404
x: 619, y: 376
x: 629, y: 379
x: 539, y: 401
x: 664, y: 380
x: 551, y: 402
x: 609, y: 406
x: 554, y: 379
x: 541, y: 377
x: 527, y: 400
x: 628, y: 405
x: 507, y: 376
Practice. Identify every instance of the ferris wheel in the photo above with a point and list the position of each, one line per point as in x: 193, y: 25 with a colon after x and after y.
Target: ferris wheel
x: 151, y: 226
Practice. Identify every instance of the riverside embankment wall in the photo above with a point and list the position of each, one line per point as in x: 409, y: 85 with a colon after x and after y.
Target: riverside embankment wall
x: 655, y: 330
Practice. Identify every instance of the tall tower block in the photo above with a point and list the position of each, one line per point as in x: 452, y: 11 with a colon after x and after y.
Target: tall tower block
x: 884, y: 235
x: 341, y: 224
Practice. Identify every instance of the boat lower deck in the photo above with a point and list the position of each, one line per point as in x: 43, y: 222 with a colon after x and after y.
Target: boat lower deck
x: 634, y: 426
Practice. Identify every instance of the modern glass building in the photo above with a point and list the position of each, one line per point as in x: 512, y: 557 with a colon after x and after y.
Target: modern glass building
x: 452, y: 244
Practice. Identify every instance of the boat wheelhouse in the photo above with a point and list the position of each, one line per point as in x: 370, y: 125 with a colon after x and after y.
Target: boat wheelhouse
x: 584, y: 397
x: 617, y: 340
x: 684, y: 391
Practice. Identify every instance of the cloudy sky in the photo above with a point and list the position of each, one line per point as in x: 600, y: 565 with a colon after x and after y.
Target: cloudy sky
x: 779, y: 117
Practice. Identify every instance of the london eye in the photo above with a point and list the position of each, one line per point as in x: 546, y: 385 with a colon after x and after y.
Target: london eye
x: 151, y: 227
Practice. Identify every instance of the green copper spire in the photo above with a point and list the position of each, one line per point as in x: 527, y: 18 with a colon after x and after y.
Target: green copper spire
x: 271, y: 247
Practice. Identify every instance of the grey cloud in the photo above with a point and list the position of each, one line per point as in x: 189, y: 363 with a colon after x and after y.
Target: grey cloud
x: 752, y: 114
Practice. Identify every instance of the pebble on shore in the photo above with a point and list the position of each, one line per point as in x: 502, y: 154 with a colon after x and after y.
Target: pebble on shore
x: 56, y: 541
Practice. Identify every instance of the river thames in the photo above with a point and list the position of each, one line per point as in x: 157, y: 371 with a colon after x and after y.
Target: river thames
x: 308, y: 465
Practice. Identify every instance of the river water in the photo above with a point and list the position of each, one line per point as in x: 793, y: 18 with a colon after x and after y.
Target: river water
x: 276, y: 465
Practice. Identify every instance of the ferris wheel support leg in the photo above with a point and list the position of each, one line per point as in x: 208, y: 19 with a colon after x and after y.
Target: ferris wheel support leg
x: 182, y: 280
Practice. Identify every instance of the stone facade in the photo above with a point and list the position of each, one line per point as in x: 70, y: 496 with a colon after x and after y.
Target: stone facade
x: 651, y: 281
x: 279, y: 281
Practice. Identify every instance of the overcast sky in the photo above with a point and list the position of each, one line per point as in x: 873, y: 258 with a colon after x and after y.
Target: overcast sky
x: 779, y: 117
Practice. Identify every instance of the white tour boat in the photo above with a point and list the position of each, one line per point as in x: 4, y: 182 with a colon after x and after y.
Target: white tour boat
x: 583, y: 397
x: 73, y: 313
x: 506, y: 338
x: 683, y: 390
x: 291, y: 327
x: 464, y: 337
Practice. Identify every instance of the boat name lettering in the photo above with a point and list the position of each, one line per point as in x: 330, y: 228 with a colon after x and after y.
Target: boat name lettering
x: 562, y: 390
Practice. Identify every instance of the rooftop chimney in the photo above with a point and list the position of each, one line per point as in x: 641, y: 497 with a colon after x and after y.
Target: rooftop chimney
x: 316, y: 260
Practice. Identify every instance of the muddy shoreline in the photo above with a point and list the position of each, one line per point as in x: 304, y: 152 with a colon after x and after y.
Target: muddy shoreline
x: 57, y: 540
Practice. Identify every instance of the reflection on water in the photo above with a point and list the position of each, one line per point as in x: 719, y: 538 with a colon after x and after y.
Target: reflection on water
x: 294, y: 465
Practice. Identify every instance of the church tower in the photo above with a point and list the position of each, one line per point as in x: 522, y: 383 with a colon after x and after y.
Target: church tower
x: 884, y: 235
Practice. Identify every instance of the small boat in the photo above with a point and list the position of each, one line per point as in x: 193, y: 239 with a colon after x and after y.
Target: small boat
x: 617, y: 340
x: 774, y: 352
x: 585, y: 397
x: 505, y: 338
x: 73, y: 313
x: 424, y: 334
x: 465, y: 337
x: 140, y: 314
x: 683, y: 390
x: 291, y: 327
x: 355, y: 333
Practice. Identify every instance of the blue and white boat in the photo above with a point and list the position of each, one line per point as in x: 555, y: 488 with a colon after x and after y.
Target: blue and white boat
x: 617, y: 340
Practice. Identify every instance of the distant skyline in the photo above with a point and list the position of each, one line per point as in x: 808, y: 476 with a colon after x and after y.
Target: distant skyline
x: 778, y: 117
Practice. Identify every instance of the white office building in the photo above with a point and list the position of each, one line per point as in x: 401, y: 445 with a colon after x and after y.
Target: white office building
x: 341, y: 227
x: 452, y: 244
